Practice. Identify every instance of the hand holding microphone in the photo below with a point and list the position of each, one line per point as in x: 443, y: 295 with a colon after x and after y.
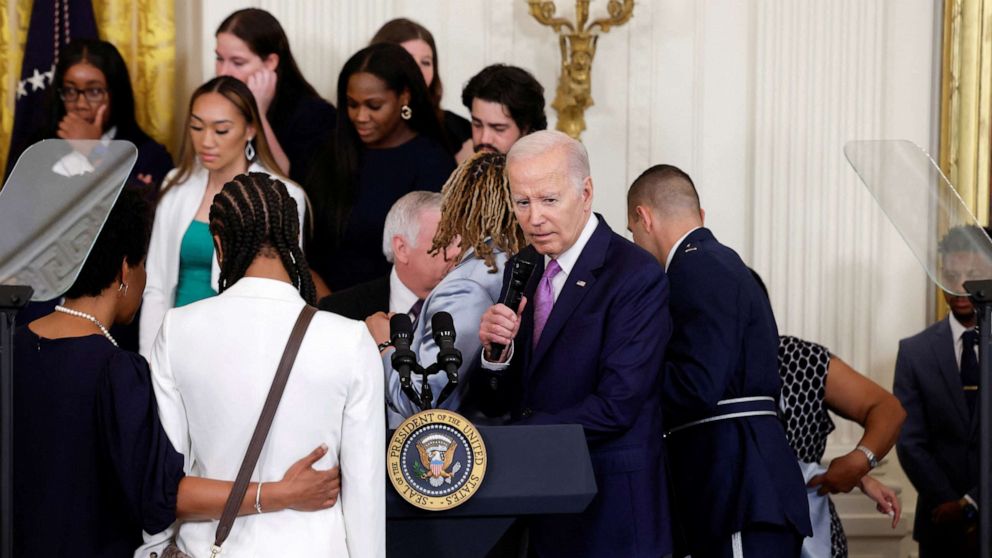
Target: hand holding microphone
x: 502, y: 321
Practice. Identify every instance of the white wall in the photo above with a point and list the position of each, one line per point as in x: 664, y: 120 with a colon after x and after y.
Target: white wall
x: 753, y: 98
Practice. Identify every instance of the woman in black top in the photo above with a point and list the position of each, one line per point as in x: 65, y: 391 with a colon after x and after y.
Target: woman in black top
x: 92, y: 465
x: 419, y: 42
x: 92, y: 99
x: 387, y: 143
x: 252, y: 46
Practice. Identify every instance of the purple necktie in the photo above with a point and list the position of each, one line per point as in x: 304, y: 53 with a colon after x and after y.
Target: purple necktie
x: 544, y: 299
x: 415, y: 310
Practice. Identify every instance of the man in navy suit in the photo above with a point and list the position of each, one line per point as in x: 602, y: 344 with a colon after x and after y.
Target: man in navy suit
x: 937, y: 382
x: 586, y: 347
x: 736, y: 486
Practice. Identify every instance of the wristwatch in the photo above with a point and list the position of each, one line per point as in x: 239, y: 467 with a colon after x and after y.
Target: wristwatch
x: 969, y: 510
x: 872, y: 460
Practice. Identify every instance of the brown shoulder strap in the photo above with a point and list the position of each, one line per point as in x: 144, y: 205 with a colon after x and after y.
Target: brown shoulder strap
x: 262, y: 428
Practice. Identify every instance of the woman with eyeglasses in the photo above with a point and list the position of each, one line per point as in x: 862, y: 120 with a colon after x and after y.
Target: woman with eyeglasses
x: 92, y: 99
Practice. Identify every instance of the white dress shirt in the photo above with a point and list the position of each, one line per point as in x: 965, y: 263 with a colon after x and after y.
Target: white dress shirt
x: 401, y: 298
x: 212, y: 366
x: 566, y: 260
x: 671, y: 253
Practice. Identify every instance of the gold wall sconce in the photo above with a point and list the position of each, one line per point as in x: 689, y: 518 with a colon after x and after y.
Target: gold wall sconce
x: 577, y: 42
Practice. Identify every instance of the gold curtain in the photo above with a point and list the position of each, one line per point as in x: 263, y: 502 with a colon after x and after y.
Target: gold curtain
x: 14, y: 18
x: 145, y: 33
x: 142, y: 30
x: 966, y: 106
x: 966, y: 101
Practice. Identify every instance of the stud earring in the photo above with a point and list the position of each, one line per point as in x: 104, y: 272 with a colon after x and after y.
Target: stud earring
x: 406, y: 113
x: 122, y: 290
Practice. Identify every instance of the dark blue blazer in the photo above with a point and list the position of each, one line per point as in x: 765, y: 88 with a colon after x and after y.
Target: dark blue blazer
x: 598, y: 365
x: 938, y: 444
x: 732, y: 473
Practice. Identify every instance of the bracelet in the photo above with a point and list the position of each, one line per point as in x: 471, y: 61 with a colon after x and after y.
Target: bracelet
x: 384, y: 345
x: 872, y: 460
x: 258, y: 498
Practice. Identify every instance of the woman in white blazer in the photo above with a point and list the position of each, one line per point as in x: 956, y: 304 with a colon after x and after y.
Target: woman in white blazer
x: 213, y: 363
x: 224, y: 140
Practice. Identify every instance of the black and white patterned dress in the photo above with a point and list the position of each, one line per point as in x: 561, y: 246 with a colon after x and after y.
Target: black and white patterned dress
x: 803, y: 366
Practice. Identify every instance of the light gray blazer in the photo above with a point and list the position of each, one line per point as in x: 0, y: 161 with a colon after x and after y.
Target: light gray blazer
x: 466, y: 293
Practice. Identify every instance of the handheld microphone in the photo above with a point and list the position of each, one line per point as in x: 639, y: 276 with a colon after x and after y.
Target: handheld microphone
x: 404, y: 359
x: 520, y: 274
x: 448, y: 357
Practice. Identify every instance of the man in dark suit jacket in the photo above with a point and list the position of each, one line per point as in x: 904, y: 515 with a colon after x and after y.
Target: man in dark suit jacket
x: 587, y: 349
x: 737, y: 488
x: 938, y: 445
x: 407, y: 236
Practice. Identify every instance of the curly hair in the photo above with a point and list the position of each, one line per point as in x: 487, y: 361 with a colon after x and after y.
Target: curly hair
x: 255, y: 215
x: 124, y: 237
x: 476, y: 205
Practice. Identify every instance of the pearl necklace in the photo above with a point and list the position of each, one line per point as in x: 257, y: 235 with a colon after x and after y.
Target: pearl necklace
x: 89, y: 317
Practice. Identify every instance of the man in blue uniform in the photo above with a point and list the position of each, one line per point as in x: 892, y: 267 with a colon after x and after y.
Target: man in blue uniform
x: 736, y: 486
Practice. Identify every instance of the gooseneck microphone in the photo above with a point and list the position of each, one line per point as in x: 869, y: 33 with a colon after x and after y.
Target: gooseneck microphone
x: 403, y: 360
x: 520, y: 273
x: 448, y: 357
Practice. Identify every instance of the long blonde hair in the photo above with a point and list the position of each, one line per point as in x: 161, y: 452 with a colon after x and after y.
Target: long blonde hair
x: 239, y: 94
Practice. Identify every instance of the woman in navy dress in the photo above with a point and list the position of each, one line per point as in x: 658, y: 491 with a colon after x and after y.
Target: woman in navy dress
x: 387, y: 143
x: 92, y: 465
x: 419, y: 42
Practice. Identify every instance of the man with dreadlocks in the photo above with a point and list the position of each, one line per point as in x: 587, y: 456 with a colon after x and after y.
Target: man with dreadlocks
x: 213, y: 363
x: 475, y: 208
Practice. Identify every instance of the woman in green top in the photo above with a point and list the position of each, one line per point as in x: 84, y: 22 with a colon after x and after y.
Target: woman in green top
x: 224, y: 140
x: 196, y: 256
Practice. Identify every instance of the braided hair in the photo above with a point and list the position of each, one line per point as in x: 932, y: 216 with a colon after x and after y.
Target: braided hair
x: 255, y: 215
x: 476, y: 205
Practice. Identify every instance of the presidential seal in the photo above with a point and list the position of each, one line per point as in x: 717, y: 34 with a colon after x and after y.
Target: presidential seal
x: 436, y: 460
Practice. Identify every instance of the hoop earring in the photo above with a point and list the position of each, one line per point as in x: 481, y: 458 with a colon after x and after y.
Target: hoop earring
x: 406, y: 113
x: 249, y: 151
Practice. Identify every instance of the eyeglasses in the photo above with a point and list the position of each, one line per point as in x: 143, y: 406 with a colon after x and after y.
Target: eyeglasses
x: 92, y: 94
